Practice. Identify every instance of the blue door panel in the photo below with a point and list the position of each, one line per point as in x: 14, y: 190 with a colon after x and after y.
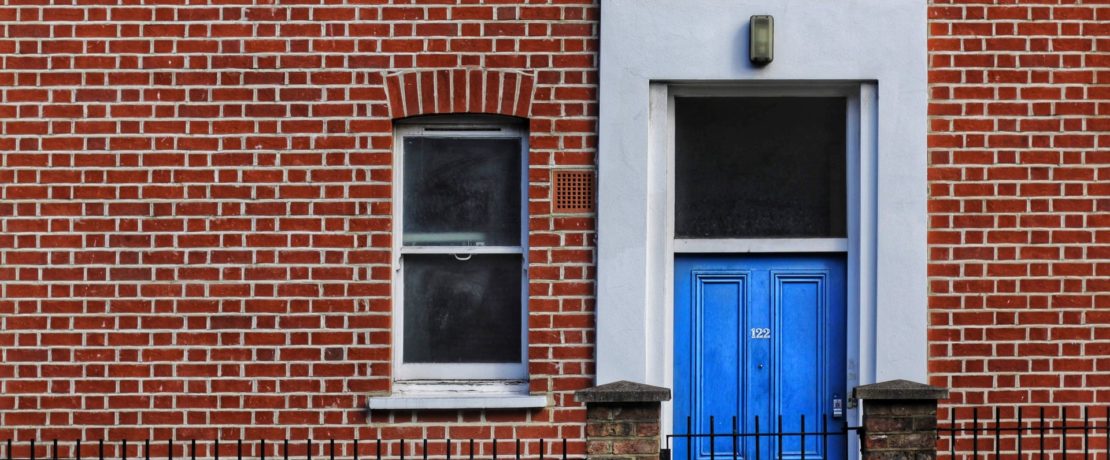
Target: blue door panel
x: 720, y: 387
x: 756, y: 338
x: 718, y: 392
x: 803, y: 364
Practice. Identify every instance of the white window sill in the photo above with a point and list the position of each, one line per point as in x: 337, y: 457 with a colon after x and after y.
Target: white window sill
x: 454, y: 401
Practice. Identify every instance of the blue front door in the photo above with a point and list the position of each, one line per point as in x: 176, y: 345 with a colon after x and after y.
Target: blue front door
x: 759, y: 337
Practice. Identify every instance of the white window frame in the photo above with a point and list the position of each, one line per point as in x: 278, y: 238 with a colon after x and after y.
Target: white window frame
x: 453, y: 378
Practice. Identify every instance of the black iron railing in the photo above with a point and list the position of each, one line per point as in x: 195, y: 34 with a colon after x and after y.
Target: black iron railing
x: 1026, y: 436
x: 762, y: 443
x: 354, y: 449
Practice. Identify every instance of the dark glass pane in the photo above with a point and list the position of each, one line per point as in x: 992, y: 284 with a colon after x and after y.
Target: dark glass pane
x: 760, y: 167
x: 462, y: 191
x: 462, y: 311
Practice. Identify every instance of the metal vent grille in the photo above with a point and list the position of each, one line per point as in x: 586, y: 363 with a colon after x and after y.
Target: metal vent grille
x: 574, y: 191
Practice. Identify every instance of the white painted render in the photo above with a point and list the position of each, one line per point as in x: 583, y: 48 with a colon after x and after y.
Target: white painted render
x: 651, y: 47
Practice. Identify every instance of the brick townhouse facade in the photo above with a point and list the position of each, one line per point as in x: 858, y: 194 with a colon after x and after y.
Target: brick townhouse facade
x: 1019, y: 244
x: 197, y: 211
x: 201, y: 207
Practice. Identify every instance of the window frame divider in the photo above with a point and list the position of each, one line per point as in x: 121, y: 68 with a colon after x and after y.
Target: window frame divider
x: 461, y: 250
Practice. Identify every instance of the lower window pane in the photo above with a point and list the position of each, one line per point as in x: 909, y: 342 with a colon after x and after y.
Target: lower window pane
x: 462, y: 311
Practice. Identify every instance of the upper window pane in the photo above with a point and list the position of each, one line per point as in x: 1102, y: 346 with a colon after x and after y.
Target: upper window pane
x: 760, y: 167
x: 461, y: 191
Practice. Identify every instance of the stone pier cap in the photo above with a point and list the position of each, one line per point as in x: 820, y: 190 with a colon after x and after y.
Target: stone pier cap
x: 623, y: 391
x: 899, y: 390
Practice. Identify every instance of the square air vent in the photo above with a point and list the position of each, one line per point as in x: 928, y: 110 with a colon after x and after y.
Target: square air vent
x: 573, y: 191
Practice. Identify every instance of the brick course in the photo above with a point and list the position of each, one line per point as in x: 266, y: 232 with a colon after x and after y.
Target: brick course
x: 195, y: 212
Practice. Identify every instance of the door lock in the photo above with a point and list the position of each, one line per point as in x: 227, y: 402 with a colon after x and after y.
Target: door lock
x: 837, y: 406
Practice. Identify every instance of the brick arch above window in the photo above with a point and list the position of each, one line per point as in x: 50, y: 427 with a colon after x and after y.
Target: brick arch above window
x: 430, y: 92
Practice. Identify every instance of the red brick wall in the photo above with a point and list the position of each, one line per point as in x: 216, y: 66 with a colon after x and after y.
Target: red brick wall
x: 195, y: 216
x: 1019, y: 185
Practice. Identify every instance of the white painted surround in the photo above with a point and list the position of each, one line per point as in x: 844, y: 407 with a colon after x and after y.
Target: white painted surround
x: 872, y: 50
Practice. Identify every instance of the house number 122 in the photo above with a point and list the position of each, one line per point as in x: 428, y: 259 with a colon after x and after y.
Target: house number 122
x: 761, y: 333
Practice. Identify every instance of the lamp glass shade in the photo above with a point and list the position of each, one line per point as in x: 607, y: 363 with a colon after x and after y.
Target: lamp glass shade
x: 762, y: 44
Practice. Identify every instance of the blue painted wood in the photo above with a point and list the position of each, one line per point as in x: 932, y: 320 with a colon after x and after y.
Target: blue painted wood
x: 723, y: 370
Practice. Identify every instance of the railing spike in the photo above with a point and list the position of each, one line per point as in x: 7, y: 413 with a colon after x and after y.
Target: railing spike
x: 1042, y: 430
x: 975, y: 431
x: 1064, y: 429
x: 758, y: 450
x: 712, y: 438
x: 780, y: 437
x: 803, y: 448
x: 735, y: 439
x: 1086, y: 420
x: 998, y: 432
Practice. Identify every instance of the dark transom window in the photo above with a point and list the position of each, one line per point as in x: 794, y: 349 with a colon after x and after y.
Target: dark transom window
x: 760, y: 167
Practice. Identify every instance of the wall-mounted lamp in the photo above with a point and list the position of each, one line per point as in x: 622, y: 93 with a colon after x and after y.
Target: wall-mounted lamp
x: 761, y: 46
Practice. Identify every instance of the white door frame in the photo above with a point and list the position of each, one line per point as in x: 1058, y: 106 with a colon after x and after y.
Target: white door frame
x: 861, y: 152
